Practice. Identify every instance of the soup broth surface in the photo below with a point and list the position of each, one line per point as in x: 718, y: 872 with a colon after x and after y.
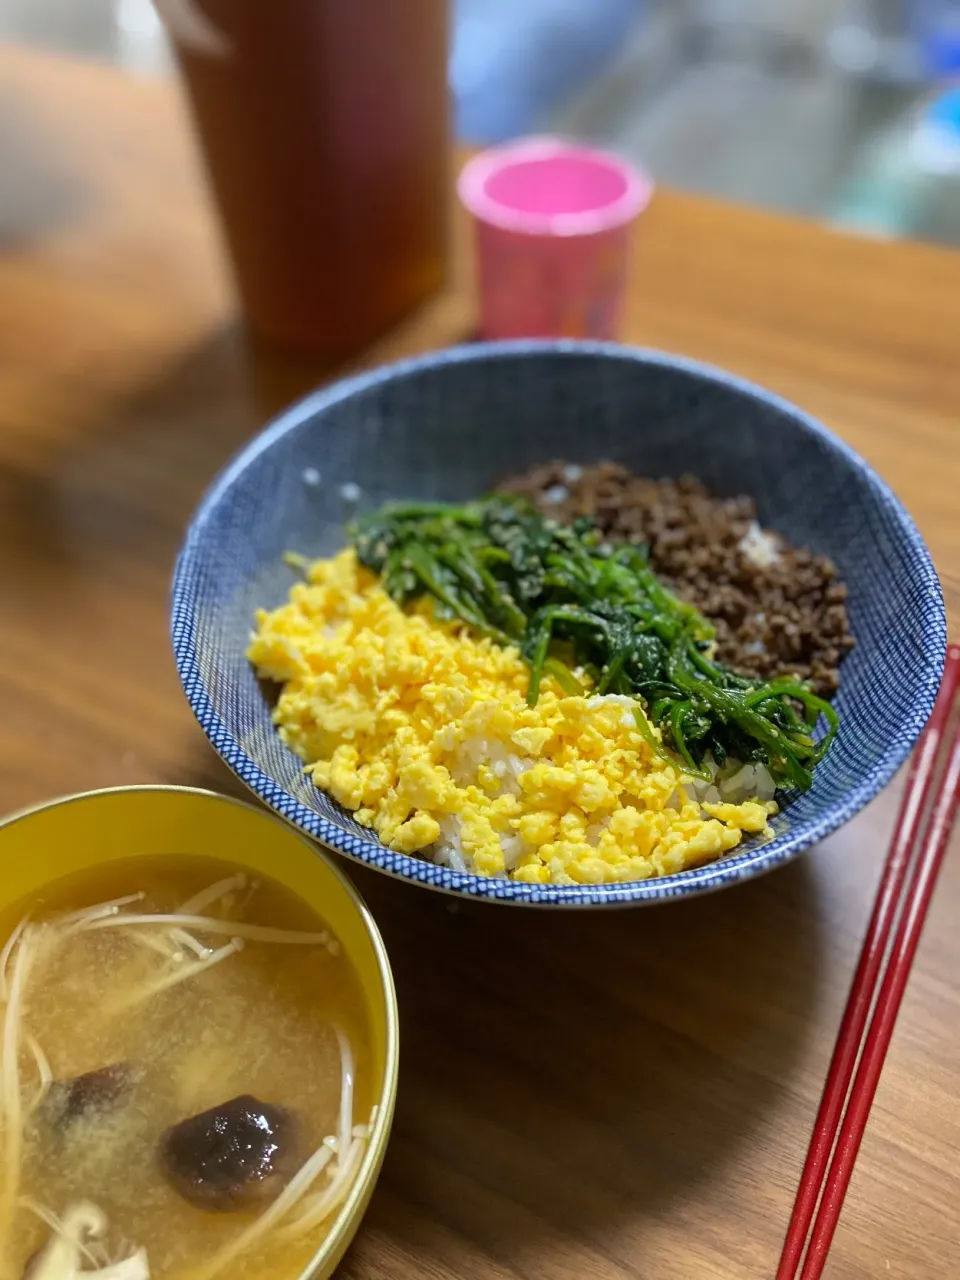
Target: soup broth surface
x: 262, y: 1021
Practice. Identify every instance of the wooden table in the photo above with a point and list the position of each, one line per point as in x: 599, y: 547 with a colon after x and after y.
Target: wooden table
x: 582, y: 1098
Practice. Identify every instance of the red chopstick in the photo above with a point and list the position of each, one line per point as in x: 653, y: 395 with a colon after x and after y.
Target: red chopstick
x: 903, y: 898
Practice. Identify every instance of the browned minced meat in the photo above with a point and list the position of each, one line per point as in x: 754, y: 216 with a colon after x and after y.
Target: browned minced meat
x: 788, y: 618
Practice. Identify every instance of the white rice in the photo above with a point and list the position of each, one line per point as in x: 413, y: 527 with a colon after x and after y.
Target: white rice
x: 760, y: 547
x: 739, y: 782
x: 493, y: 752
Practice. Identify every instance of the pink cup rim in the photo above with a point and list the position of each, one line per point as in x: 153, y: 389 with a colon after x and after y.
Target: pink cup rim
x: 474, y: 180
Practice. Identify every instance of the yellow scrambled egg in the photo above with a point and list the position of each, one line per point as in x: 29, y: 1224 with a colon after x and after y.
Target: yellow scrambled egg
x: 424, y: 731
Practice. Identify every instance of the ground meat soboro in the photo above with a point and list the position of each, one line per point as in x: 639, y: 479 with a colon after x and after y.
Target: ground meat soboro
x: 779, y: 610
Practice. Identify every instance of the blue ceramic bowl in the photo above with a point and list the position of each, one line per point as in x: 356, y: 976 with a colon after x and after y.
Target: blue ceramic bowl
x: 449, y: 425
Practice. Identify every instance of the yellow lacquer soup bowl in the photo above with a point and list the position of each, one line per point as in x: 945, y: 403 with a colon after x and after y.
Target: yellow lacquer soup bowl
x: 76, y: 834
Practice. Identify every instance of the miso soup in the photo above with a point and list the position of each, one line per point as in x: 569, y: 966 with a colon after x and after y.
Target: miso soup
x: 186, y: 1084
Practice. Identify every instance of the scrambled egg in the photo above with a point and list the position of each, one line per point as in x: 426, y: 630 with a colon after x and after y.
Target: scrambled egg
x: 423, y: 730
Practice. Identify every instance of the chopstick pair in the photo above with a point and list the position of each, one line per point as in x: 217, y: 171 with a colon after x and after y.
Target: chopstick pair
x: 903, y: 898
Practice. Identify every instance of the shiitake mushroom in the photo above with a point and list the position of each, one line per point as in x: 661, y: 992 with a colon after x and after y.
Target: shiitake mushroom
x: 93, y: 1093
x: 237, y: 1155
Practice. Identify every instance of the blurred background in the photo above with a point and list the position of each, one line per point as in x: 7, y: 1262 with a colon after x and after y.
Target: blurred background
x: 837, y: 109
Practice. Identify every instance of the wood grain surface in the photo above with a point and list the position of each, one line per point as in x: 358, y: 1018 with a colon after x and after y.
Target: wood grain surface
x: 588, y: 1097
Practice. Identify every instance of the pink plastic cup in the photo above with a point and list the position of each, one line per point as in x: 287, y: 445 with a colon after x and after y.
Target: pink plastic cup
x: 552, y: 222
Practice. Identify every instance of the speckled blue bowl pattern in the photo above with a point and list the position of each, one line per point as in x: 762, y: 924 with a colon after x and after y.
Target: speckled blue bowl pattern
x: 451, y: 424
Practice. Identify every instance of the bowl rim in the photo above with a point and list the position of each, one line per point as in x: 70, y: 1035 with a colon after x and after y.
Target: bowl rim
x: 347, y: 1221
x: 717, y: 875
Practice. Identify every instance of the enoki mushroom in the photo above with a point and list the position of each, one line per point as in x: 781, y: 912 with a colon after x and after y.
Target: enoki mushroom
x: 211, y: 924
x: 180, y: 973
x: 73, y: 1251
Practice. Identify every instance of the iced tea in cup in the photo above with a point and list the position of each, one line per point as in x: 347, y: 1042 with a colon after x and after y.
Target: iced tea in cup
x: 324, y: 127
